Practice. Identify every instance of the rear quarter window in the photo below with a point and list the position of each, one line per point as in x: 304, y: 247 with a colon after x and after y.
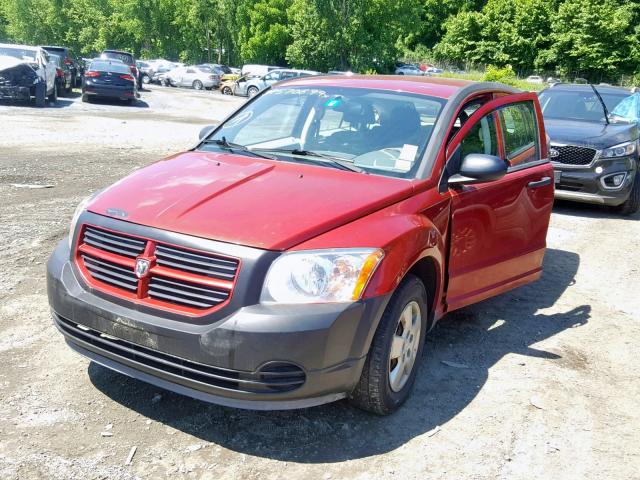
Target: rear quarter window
x: 520, y: 133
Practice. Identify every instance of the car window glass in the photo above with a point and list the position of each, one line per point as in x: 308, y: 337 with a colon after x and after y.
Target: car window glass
x: 190, y: 70
x: 276, y: 122
x: 520, y: 133
x: 482, y: 138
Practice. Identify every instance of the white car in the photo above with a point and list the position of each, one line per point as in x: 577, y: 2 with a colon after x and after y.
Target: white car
x: 36, y: 58
x: 409, y: 70
x: 197, y: 77
x: 535, y: 79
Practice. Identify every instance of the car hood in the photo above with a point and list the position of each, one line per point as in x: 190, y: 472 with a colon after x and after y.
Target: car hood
x: 246, y: 200
x: 595, y: 135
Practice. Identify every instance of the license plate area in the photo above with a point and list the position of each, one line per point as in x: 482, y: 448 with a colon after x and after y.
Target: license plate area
x: 557, y: 176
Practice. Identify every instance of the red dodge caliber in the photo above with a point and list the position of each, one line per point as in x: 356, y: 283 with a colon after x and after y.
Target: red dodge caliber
x: 302, y: 251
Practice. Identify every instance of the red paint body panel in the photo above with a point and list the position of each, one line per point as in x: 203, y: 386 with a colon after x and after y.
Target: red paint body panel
x: 248, y: 201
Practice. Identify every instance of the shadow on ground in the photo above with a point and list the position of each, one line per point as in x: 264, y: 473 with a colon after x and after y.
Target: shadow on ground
x: 337, y: 432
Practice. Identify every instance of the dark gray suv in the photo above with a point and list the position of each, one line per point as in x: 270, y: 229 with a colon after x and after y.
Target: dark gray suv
x: 594, y: 153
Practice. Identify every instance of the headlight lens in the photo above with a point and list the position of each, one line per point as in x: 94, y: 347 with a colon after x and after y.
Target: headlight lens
x: 320, y: 276
x: 622, y: 150
x: 76, y: 215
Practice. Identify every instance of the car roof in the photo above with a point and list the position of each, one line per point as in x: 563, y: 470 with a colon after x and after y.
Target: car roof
x: 436, y: 87
x: 23, y: 47
x: 117, y: 51
x: 577, y: 87
x: 55, y: 46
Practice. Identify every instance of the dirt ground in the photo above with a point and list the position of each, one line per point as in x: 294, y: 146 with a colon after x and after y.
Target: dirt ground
x: 550, y: 389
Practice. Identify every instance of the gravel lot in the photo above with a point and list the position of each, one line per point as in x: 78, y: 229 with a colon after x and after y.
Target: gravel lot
x: 550, y: 388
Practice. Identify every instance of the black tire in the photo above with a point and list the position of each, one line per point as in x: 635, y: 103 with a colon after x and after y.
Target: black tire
x: 227, y: 91
x: 632, y: 204
x: 132, y: 101
x: 197, y: 85
x: 252, y: 92
x: 53, y: 97
x: 85, y: 98
x: 146, y: 79
x: 373, y: 392
x: 41, y: 94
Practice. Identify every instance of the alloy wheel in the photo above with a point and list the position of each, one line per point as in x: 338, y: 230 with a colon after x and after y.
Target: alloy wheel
x: 404, y: 346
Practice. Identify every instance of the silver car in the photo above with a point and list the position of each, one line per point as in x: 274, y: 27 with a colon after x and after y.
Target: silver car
x: 250, y: 87
x: 195, y: 76
x: 409, y: 70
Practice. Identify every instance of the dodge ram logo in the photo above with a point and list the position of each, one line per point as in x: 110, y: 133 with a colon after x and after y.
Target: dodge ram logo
x: 142, y: 268
x: 553, y: 153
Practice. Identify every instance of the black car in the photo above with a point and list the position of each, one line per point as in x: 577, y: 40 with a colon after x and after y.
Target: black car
x: 109, y: 79
x: 594, y: 153
x: 124, y: 57
x: 70, y: 62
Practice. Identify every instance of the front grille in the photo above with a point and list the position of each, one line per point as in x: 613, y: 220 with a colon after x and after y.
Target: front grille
x: 573, y: 155
x: 274, y: 377
x: 115, y: 243
x: 186, y: 293
x: 111, y: 273
x: 207, y: 265
x: 177, y: 278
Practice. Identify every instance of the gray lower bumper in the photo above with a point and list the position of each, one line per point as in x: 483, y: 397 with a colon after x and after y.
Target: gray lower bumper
x: 328, y: 343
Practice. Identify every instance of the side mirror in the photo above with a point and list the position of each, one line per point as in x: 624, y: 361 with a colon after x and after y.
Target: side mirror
x: 206, y: 131
x: 479, y: 168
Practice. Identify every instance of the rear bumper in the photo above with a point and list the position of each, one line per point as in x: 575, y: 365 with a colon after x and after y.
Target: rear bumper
x: 232, y: 361
x: 109, y: 92
x: 586, y: 184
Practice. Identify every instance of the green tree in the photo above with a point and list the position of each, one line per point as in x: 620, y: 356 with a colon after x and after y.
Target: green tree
x: 263, y: 31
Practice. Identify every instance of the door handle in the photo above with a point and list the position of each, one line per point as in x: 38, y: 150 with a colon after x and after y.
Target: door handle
x: 543, y: 182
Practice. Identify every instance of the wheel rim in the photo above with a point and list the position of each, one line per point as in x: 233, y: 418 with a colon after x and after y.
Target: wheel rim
x: 252, y: 92
x: 404, y: 346
x: 146, y: 79
x: 226, y: 91
x: 197, y: 85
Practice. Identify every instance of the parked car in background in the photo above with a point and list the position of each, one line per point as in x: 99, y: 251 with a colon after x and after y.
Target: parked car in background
x: 70, y: 62
x: 594, y: 153
x: 161, y: 70
x: 219, y: 69
x: 27, y: 72
x: 534, y: 79
x: 109, y: 79
x: 228, y: 86
x: 197, y: 77
x: 302, y: 251
x: 235, y: 71
x: 340, y: 72
x: 64, y: 76
x: 257, y: 70
x: 125, y: 57
x: 252, y: 86
x: 409, y: 70
x: 145, y: 72
x: 433, y: 70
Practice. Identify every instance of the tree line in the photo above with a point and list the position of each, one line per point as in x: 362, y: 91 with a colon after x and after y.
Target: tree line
x: 597, y: 39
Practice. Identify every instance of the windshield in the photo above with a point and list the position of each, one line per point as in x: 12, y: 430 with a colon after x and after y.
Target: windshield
x: 106, y: 66
x: 123, y: 57
x: 578, y: 105
x: 381, y: 132
x: 20, y: 53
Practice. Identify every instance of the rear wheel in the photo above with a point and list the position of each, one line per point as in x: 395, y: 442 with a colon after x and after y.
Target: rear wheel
x: 53, y: 97
x: 227, y: 91
x: 394, y: 357
x: 85, y: 98
x: 197, y: 85
x: 632, y: 204
x: 41, y: 94
x: 146, y: 80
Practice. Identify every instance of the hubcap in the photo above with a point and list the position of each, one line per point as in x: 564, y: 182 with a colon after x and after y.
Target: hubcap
x: 404, y: 346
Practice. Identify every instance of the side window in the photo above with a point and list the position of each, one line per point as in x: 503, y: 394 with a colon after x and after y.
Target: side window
x: 191, y: 70
x: 482, y: 138
x: 520, y: 132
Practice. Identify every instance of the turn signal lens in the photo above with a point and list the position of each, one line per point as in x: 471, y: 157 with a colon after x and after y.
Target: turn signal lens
x: 369, y: 266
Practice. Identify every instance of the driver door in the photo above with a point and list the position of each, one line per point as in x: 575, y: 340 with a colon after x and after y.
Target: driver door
x: 499, y: 228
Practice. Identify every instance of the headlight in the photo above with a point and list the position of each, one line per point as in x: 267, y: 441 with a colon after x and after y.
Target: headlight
x: 622, y: 150
x: 76, y: 215
x: 320, y: 276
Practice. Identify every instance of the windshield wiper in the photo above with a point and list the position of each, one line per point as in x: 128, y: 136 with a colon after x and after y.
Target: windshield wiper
x: 336, y: 161
x: 604, y: 106
x: 223, y: 143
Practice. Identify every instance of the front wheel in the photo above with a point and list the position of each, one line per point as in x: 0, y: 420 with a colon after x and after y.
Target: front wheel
x: 394, y: 357
x: 197, y: 85
x: 632, y: 204
x: 146, y: 80
x: 227, y: 91
x: 252, y: 92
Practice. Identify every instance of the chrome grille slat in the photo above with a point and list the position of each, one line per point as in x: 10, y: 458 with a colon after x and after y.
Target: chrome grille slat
x: 202, y: 264
x: 188, y: 268
x: 109, y: 248
x: 179, y: 300
x: 168, y: 250
x: 170, y: 290
x: 114, y: 272
x: 114, y: 243
x: 111, y: 241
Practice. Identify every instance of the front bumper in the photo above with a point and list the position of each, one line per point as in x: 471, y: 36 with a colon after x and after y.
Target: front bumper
x: 15, y: 93
x: 585, y: 184
x: 234, y: 361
